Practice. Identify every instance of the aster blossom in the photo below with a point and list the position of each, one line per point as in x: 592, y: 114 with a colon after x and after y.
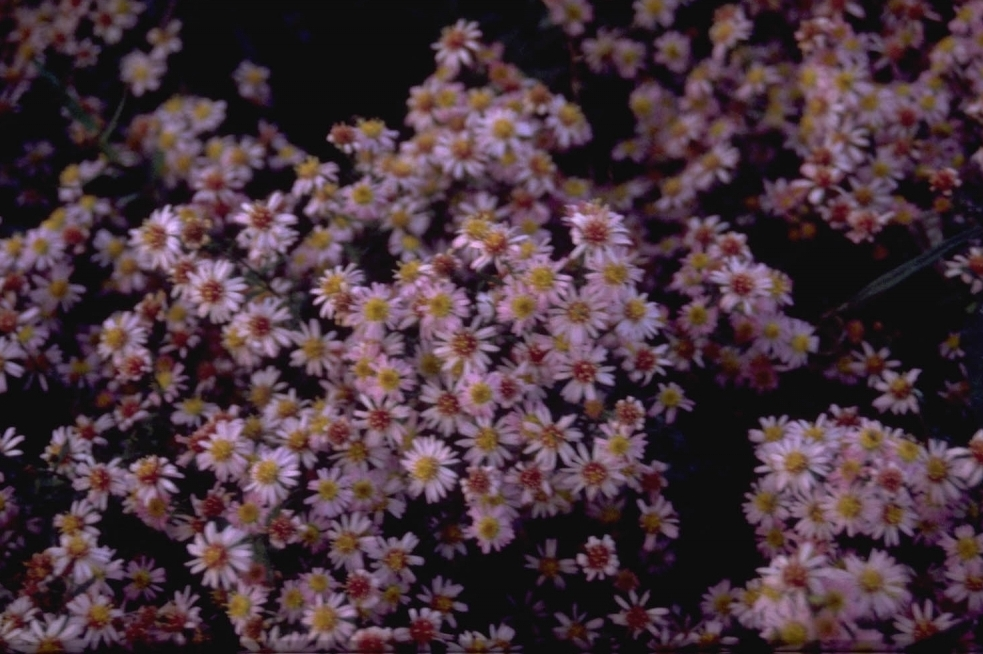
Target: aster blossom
x: 267, y: 227
x: 215, y: 292
x: 428, y: 465
x: 458, y: 45
x: 599, y: 558
x: 221, y: 555
x: 584, y: 370
x: 273, y: 474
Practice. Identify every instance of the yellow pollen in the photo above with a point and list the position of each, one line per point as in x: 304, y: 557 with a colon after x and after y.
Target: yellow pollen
x: 376, y: 310
x: 967, y: 548
x: 239, y: 606
x: 541, y: 278
x: 936, y: 469
x: 488, y: 527
x: 870, y: 580
x: 221, y: 450
x: 481, y: 393
x: 324, y: 619
x: 215, y: 556
x: 346, y: 543
x: 426, y: 468
x: 635, y: 309
x: 362, y: 194
x: 318, y: 583
x: 849, y: 506
x: 266, y: 472
x: 440, y: 305
x: 796, y: 462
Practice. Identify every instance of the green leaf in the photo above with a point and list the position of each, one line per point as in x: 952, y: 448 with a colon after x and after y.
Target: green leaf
x: 894, y: 277
x: 71, y: 102
x: 77, y: 111
x: 107, y: 133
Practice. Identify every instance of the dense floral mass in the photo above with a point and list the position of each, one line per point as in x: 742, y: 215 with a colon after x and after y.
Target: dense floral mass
x: 337, y: 403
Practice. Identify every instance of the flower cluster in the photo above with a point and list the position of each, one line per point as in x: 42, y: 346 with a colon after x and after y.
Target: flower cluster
x: 841, y: 504
x: 324, y: 395
x: 875, y: 133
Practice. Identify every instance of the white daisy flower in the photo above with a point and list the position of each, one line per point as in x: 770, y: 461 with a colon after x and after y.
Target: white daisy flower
x: 428, y: 464
x: 222, y: 555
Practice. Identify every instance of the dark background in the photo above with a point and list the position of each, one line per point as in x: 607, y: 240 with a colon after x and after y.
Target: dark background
x: 333, y: 60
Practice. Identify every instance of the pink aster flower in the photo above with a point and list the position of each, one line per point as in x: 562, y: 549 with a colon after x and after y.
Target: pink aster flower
x: 53, y: 634
x: 921, y: 624
x: 636, y: 617
x: 225, y: 450
x: 503, y: 131
x: 492, y: 527
x: 144, y: 578
x: 222, y: 555
x: 578, y: 316
x: 657, y: 519
x: 594, y: 472
x: 583, y: 368
x: 899, y: 394
x: 969, y: 466
x: 549, y: 566
x: 262, y: 323
x: 267, y: 227
x: 669, y: 401
x: 214, y: 291
x: 576, y: 628
x: 467, y: 346
x: 801, y: 571
x: 375, y: 309
x: 273, y: 474
x: 329, y: 620
x: 571, y: 15
x: 742, y: 285
x: 153, y: 477
x: 157, y: 240
x: 793, y: 462
x: 550, y: 440
x: 487, y: 441
x: 880, y: 584
x: 77, y: 553
x: 595, y: 229
x: 97, y: 614
x: 141, y: 72
x: 599, y: 558
x: 966, y: 584
x: 936, y: 474
x: 384, y: 418
x: 428, y: 464
x: 458, y: 45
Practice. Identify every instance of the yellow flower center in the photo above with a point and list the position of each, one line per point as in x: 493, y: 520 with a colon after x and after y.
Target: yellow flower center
x: 266, y: 472
x: 541, y: 278
x: 318, y: 583
x: 849, y: 506
x: 870, y: 580
x: 327, y: 489
x: 967, y: 548
x: 324, y: 619
x: 376, y: 310
x: 362, y: 194
x: 796, y: 462
x: 425, y: 469
x: 239, y: 606
x: 936, y: 469
x: 481, y: 393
